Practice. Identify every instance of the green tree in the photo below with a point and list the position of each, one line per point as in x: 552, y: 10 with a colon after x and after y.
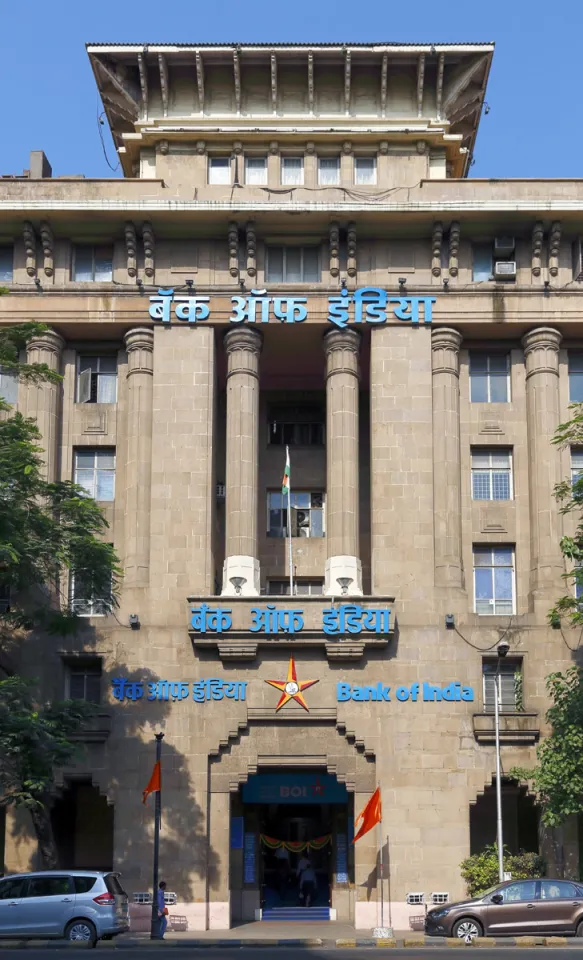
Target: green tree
x: 47, y: 530
x: 569, y: 494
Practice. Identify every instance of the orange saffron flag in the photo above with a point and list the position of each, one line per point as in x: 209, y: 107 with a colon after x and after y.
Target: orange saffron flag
x: 154, y: 783
x: 369, y: 816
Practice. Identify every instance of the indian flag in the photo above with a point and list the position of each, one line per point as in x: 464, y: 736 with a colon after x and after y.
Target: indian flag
x: 286, y: 473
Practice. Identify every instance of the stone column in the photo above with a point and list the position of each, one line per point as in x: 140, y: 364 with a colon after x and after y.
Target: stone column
x: 342, y: 349
x: 139, y: 345
x: 243, y: 347
x: 43, y: 401
x: 445, y: 357
x: 541, y: 353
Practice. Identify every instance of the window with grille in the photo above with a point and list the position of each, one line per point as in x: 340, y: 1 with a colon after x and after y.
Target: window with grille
x: 302, y: 588
x: 365, y: 171
x: 256, y: 171
x: 328, y: 171
x: 97, y: 379
x: 6, y: 264
x: 296, y: 425
x: 95, y: 471
x: 82, y: 599
x: 576, y: 377
x: 83, y: 680
x: 292, y: 265
x: 509, y: 685
x: 494, y: 580
x: 491, y: 474
x: 92, y: 263
x: 307, y: 514
x: 8, y: 385
x: 292, y: 171
x: 219, y: 170
x: 489, y: 378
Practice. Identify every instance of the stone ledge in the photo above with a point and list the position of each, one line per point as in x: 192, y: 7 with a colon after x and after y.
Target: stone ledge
x: 95, y: 730
x: 520, y: 728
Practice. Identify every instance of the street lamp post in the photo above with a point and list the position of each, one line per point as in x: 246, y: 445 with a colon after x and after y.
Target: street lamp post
x: 503, y: 648
x: 155, y: 920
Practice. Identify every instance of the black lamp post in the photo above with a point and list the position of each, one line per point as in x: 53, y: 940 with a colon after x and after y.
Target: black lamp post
x: 155, y: 921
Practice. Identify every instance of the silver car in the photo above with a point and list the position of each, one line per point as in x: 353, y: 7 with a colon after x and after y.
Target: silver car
x: 80, y: 905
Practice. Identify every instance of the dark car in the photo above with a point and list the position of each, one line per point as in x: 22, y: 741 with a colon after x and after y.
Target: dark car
x: 513, y: 909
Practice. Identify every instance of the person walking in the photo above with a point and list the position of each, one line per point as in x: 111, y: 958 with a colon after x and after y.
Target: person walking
x: 307, y: 877
x: 162, y: 910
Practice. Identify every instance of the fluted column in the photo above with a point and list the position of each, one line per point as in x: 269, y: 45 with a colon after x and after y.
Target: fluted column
x: 445, y: 364
x: 541, y: 353
x: 342, y: 348
x: 243, y: 347
x: 43, y: 400
x: 140, y: 346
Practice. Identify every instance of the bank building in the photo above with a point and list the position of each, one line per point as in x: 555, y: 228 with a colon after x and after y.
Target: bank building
x: 296, y: 285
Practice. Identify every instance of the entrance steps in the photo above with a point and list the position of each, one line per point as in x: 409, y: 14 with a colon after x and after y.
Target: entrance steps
x: 295, y: 914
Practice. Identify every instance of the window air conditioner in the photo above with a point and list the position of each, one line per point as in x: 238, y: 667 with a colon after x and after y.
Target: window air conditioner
x: 440, y: 897
x: 505, y: 270
x: 415, y: 898
x: 504, y: 246
x: 578, y: 258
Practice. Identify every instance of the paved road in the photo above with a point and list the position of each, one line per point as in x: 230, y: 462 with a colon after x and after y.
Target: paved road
x: 293, y: 953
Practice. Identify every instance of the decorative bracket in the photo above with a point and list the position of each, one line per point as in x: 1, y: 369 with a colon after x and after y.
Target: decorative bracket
x: 273, y: 61
x: 149, y: 248
x: 163, y: 65
x: 351, y: 249
x: 347, y: 74
x: 311, y: 82
x: 439, y: 90
x: 131, y: 248
x: 200, y: 79
x: 143, y: 70
x: 29, y: 238
x: 233, y: 239
x: 454, y: 248
x: 537, y: 248
x: 554, y: 247
x: 251, y: 244
x: 48, y: 244
x: 237, y: 77
x: 436, y: 242
x: 420, y: 83
x: 384, y: 74
x: 334, y: 249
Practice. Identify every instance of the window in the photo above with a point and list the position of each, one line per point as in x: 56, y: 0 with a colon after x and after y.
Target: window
x: 84, y: 884
x: 93, y: 264
x: 482, y: 262
x: 491, y: 474
x: 328, y: 171
x: 97, y: 380
x: 307, y: 518
x: 219, y: 170
x: 559, y: 890
x: 576, y: 377
x: 49, y: 887
x: 12, y: 888
x: 494, y: 580
x: 8, y: 385
x: 296, y: 426
x: 576, y: 464
x: 6, y: 264
x: 84, y: 681
x: 292, y: 171
x: 365, y: 171
x: 292, y: 265
x: 489, y: 378
x: 509, y: 685
x: 256, y: 170
x: 95, y: 471
x: 302, y: 588
x: 514, y: 892
x: 80, y: 588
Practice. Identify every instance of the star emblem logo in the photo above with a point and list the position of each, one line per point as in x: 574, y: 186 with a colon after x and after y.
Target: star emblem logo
x: 291, y: 688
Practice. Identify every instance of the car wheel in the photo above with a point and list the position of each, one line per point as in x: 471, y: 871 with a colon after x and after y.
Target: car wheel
x: 81, y: 931
x: 467, y: 929
x: 579, y: 932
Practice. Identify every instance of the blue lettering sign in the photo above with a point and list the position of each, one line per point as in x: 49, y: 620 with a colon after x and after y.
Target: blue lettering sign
x: 429, y: 693
x: 190, y: 308
x: 200, y: 690
x: 348, y: 618
x: 272, y: 620
x: 206, y: 619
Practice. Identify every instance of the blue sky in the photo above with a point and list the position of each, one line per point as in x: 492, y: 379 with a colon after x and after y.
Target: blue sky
x: 48, y: 97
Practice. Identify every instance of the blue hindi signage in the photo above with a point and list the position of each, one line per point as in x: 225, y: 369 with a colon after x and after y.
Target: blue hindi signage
x: 294, y: 788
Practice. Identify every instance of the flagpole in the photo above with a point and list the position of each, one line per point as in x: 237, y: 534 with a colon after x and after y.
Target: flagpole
x: 155, y: 921
x: 380, y: 825
x: 289, y: 529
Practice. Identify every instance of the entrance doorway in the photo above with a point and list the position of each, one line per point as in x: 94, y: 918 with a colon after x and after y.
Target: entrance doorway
x: 296, y: 826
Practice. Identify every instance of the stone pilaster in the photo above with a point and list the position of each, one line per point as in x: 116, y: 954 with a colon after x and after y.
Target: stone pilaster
x: 43, y: 400
x: 243, y: 348
x: 342, y: 349
x: 541, y: 353
x: 445, y: 356
x: 140, y: 346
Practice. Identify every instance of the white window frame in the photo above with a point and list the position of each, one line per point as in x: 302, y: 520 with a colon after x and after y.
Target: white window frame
x: 507, y: 667
x: 482, y: 546
x: 302, y: 248
x: 84, y: 382
x: 575, y: 368
x: 223, y: 166
x: 334, y: 183
x: 576, y: 471
x: 283, y: 173
x: 88, y: 608
x: 491, y: 452
x: 489, y: 377
x: 106, y: 451
x: 284, y: 507
x: 92, y: 247
x: 365, y: 183
x: 256, y: 183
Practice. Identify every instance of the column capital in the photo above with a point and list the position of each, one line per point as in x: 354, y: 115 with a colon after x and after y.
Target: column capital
x: 243, y: 338
x: 50, y: 341
x: 139, y: 343
x: 342, y: 340
x: 445, y: 350
x: 541, y: 350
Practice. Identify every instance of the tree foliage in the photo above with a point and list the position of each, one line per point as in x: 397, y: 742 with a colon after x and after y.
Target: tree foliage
x: 480, y: 871
x: 569, y: 494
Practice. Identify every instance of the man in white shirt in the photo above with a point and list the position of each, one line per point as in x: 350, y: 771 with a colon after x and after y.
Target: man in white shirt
x: 307, y: 877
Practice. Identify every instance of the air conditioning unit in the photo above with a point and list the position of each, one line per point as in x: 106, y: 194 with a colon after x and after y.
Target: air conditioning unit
x: 578, y: 259
x: 415, y: 898
x: 170, y: 898
x: 505, y: 270
x: 221, y: 493
x: 440, y: 897
x: 504, y: 246
x: 142, y: 897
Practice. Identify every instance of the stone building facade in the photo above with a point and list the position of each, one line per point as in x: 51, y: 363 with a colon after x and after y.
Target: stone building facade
x: 296, y: 256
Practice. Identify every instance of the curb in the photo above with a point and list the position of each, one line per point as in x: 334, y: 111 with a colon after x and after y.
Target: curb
x: 387, y: 943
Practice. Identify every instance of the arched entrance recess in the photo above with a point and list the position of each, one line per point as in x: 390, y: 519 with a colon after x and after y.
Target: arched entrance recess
x: 82, y: 821
x: 280, y: 746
